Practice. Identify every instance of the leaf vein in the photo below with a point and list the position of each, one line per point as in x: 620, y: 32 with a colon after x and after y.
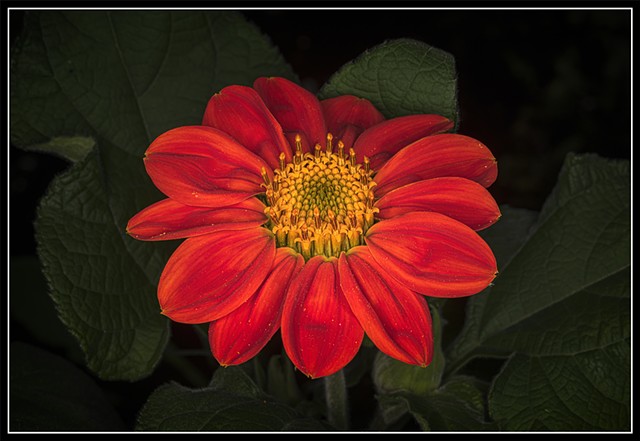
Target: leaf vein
x: 128, y: 74
x: 164, y: 58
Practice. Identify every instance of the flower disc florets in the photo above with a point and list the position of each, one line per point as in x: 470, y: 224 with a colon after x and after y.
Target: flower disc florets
x: 320, y: 203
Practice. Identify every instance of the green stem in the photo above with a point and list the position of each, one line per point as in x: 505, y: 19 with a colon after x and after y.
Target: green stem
x: 335, y: 392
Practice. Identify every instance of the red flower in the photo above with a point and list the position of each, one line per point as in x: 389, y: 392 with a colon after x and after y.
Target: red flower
x: 320, y: 219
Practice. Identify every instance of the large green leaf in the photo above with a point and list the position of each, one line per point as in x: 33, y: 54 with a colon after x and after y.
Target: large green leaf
x: 400, y: 77
x: 128, y: 76
x: 561, y: 303
x: 102, y: 294
x: 589, y: 390
x: 50, y: 394
x: 231, y: 403
x: 458, y: 405
x: 115, y: 80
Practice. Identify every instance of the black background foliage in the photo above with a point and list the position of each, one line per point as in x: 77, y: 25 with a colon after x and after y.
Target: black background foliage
x: 533, y: 86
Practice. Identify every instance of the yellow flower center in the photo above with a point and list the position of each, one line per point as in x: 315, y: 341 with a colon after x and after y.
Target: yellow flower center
x: 320, y: 203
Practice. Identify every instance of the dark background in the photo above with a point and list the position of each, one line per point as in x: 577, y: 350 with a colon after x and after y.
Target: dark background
x: 533, y: 86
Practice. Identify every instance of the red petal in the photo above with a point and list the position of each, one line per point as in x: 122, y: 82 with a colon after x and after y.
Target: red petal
x: 209, y: 276
x: 319, y: 331
x: 297, y: 110
x: 396, y: 319
x: 437, y: 156
x: 459, y: 198
x: 240, y: 335
x: 382, y: 141
x: 348, y: 116
x: 168, y: 219
x: 432, y: 254
x: 239, y: 111
x: 203, y: 167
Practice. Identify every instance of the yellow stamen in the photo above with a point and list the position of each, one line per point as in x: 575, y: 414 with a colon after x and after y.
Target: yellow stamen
x: 298, y: 143
x: 297, y: 159
x: 320, y: 203
x: 282, y: 158
x: 270, y: 196
x: 265, y: 177
x: 332, y: 219
x: 316, y: 217
x: 305, y: 242
x: 340, y: 152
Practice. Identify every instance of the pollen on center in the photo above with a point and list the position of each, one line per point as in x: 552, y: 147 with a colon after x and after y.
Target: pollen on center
x: 321, y: 203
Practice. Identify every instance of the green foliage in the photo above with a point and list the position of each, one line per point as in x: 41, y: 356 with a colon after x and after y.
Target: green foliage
x: 589, y: 390
x: 72, y: 148
x: 101, y: 291
x: 232, y: 403
x: 114, y: 80
x: 561, y: 304
x: 458, y: 405
x: 400, y: 77
x: 128, y: 76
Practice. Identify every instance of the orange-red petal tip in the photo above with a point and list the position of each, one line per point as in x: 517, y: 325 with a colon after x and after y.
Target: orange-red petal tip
x: 319, y: 332
x: 433, y: 254
x: 443, y: 155
x: 240, y: 335
x: 203, y: 281
x: 396, y: 319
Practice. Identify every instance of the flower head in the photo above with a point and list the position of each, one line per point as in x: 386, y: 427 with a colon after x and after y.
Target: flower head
x: 320, y: 219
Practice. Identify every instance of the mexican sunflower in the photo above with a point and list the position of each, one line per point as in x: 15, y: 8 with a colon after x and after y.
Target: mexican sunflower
x: 320, y: 219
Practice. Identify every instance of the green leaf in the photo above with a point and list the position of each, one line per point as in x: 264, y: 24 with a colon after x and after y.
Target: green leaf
x: 457, y: 405
x: 100, y: 291
x: 128, y: 76
x: 233, y: 378
x: 233, y: 403
x: 507, y: 236
x: 391, y: 375
x: 50, y: 394
x: 73, y: 148
x: 562, y: 304
x: 119, y: 78
x: 400, y: 77
x: 589, y: 390
x: 582, y: 238
x: 39, y: 108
